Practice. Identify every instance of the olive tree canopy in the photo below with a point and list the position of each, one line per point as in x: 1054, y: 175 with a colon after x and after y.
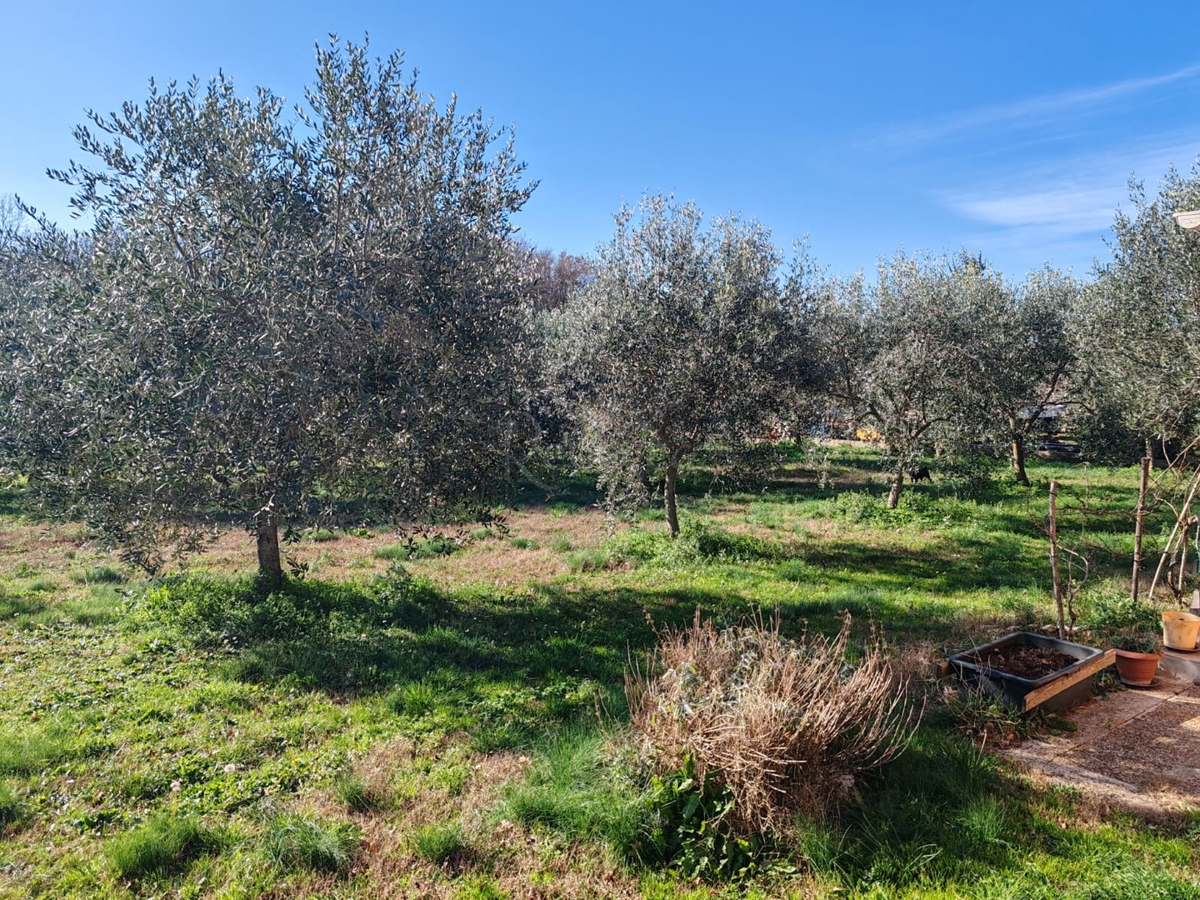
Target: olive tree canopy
x: 272, y: 316
x: 684, y: 336
x: 1138, y: 328
x: 898, y: 354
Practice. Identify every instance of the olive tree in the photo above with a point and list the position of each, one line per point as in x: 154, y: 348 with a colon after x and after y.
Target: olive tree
x: 683, y: 337
x: 1019, y: 354
x: 273, y: 316
x: 897, y: 355
x: 1138, y: 326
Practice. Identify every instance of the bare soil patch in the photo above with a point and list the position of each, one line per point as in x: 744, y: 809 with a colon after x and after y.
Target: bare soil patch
x: 1023, y: 660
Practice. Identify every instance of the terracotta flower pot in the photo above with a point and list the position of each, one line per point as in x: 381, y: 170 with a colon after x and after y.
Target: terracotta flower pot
x: 1137, y: 669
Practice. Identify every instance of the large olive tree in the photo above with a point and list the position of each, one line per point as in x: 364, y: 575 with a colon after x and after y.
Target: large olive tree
x: 1138, y: 327
x: 272, y: 316
x: 684, y: 336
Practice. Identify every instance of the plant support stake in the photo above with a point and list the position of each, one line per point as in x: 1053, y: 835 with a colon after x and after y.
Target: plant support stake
x: 1139, y: 527
x: 1058, y: 591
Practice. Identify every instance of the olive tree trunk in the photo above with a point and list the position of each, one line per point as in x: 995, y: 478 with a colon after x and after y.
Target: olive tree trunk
x: 897, y: 486
x: 669, y: 489
x: 270, y: 569
x: 1018, y: 459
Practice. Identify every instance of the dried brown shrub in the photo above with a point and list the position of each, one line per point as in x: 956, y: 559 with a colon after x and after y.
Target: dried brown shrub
x: 785, y: 725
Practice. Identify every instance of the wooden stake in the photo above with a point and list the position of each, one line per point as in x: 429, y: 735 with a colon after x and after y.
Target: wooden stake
x: 1058, y: 592
x: 1167, y: 550
x: 1183, y: 548
x: 1139, y: 527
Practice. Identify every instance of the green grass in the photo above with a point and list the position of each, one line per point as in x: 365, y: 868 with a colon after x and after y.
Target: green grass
x: 30, y: 750
x: 575, y: 790
x: 197, y: 698
x: 358, y: 795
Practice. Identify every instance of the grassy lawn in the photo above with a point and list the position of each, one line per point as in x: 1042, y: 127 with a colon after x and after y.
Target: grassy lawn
x: 433, y: 720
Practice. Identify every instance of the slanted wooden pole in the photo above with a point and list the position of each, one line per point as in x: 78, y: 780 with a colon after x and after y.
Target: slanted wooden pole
x: 1168, y: 549
x: 1139, y: 528
x: 1058, y: 591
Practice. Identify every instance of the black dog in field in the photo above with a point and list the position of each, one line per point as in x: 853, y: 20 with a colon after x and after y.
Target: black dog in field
x: 920, y: 473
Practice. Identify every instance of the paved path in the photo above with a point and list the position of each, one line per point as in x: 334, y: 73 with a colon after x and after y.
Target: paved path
x: 1135, y: 748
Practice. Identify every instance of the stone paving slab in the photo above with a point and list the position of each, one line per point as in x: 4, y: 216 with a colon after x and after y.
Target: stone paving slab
x: 1137, y: 748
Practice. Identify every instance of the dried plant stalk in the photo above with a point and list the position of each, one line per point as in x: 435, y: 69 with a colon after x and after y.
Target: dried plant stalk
x: 785, y: 725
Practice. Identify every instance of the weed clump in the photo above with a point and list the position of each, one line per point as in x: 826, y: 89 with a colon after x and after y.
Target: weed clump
x: 783, y: 725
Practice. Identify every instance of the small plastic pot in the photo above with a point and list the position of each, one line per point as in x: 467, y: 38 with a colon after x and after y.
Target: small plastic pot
x: 1180, y: 629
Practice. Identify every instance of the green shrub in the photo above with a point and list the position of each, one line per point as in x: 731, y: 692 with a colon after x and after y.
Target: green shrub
x: 300, y: 842
x: 439, y: 843
x: 638, y: 545
x: 319, y: 535
x: 1116, y: 620
x: 524, y: 543
x: 713, y: 542
x: 161, y: 846
x: 692, y: 828
x: 561, y: 545
x: 212, y: 611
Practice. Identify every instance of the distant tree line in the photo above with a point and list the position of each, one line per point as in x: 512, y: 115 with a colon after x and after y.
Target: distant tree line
x: 275, y: 317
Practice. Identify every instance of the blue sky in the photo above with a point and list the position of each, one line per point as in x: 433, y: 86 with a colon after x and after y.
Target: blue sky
x: 1011, y: 129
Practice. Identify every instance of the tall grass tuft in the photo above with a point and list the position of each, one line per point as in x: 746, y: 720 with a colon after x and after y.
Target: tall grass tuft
x: 160, y: 846
x: 300, y: 842
x: 12, y: 810
x: 439, y: 843
x: 99, y: 574
x: 361, y: 795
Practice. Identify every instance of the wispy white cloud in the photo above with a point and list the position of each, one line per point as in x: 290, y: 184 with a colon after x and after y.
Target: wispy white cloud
x: 1064, y: 211
x: 1026, y: 113
x: 1050, y: 209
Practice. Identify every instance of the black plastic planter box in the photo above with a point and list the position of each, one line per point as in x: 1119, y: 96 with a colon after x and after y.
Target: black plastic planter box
x: 1055, y: 692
